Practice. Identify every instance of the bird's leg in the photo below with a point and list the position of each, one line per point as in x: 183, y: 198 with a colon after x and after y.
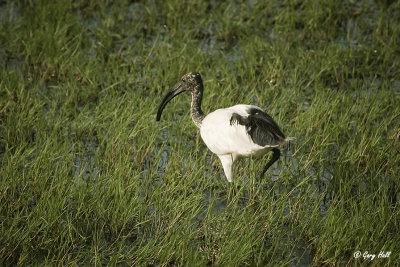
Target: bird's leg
x: 227, y: 162
x: 275, y: 157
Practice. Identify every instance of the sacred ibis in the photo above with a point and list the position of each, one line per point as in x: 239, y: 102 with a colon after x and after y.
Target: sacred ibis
x: 231, y: 133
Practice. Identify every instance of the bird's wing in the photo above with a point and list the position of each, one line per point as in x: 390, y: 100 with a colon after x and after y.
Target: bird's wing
x: 261, y: 127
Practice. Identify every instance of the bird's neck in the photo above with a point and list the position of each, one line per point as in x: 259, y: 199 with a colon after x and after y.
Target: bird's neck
x: 195, y: 110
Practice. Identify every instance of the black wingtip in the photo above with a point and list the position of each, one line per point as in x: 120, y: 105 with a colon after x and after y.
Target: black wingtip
x: 262, y: 129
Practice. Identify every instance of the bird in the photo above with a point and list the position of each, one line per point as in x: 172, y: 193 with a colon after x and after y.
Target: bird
x: 232, y: 133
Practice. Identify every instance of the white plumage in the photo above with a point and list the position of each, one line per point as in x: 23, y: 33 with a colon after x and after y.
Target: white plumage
x: 229, y: 142
x: 231, y: 133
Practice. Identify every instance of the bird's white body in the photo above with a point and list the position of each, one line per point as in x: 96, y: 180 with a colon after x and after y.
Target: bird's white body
x: 230, y: 142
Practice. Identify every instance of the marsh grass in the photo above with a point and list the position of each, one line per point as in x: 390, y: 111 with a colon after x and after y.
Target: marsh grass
x: 89, y: 178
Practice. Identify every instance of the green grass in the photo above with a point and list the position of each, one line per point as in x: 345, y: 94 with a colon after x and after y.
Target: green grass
x: 89, y: 178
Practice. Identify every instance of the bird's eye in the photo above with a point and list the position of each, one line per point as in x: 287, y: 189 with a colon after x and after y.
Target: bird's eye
x: 183, y: 80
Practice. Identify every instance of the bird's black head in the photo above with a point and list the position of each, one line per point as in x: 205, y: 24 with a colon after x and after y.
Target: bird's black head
x: 191, y: 82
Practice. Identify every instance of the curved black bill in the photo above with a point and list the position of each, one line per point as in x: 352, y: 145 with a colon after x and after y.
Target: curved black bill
x: 176, y: 90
